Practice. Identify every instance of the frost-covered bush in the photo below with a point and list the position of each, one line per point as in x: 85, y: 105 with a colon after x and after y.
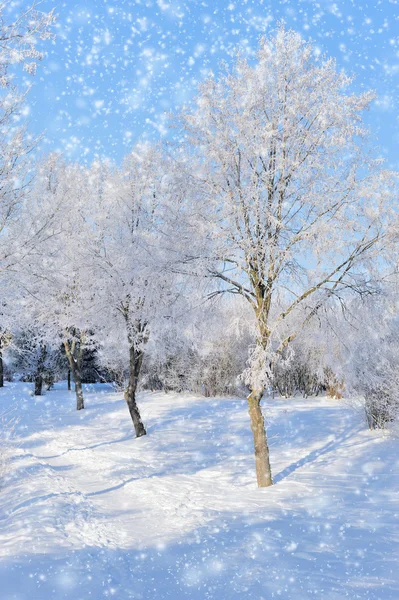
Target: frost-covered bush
x: 213, y: 369
x: 373, y: 361
x: 300, y: 373
x: 207, y: 356
x: 312, y: 363
x: 377, y: 379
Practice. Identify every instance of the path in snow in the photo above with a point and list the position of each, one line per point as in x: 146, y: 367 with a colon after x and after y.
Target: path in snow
x: 90, y: 512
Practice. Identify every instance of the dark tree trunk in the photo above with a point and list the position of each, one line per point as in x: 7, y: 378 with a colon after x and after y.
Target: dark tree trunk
x: 38, y: 384
x: 78, y: 390
x: 136, y: 359
x: 74, y: 365
x: 1, y: 370
x: 40, y: 370
x: 69, y: 380
x: 262, y: 461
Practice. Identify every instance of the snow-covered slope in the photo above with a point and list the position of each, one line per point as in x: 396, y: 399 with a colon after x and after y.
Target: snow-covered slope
x: 87, y: 511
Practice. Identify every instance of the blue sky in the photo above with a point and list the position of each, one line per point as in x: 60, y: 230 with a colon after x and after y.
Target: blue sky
x: 117, y: 67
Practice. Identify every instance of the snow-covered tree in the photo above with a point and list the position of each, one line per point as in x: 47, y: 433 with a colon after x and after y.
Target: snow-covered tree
x: 31, y: 355
x: 18, y: 39
x: 130, y: 257
x: 53, y: 281
x: 18, y: 46
x: 293, y: 208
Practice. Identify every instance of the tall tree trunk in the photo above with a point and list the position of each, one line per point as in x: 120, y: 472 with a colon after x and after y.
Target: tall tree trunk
x: 39, y: 371
x: 135, y: 362
x: 262, y: 461
x: 76, y: 372
x: 78, y: 391
x: 1, y: 370
x: 38, y: 384
x: 69, y: 380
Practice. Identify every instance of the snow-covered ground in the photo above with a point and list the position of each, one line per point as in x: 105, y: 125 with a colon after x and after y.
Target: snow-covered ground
x: 87, y: 511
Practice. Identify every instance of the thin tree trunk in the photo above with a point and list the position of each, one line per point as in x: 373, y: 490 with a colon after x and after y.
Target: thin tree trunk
x: 38, y: 384
x: 69, y: 380
x: 135, y: 362
x: 1, y: 370
x: 262, y: 461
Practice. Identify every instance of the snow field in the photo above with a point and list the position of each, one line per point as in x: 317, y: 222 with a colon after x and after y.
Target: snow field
x: 87, y: 511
